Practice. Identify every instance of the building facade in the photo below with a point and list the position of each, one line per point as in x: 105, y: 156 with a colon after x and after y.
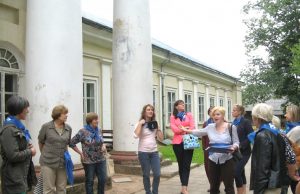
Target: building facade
x: 83, y: 65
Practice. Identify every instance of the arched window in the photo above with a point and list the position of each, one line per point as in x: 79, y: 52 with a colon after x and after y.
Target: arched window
x: 9, y: 68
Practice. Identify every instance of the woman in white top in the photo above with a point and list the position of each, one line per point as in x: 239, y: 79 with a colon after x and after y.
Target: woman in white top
x: 147, y: 131
x: 221, y: 165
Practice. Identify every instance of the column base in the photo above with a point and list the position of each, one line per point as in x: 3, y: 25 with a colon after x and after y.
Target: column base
x: 126, y: 162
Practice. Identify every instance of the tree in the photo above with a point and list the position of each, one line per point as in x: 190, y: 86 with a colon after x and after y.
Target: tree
x: 273, y: 26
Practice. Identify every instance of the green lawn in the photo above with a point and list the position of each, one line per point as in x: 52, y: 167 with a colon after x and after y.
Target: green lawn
x: 167, y: 152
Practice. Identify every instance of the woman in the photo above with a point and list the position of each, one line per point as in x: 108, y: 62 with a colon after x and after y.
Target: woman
x: 179, y: 120
x: 147, y: 150
x: 268, y: 164
x: 92, y: 154
x: 16, y: 148
x: 221, y: 165
x: 54, y: 138
x: 244, y: 128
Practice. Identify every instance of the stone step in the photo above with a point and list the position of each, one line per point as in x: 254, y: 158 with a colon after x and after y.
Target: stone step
x: 172, y: 170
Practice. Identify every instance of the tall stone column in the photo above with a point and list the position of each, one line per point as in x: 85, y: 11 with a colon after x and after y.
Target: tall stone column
x: 207, y: 100
x: 180, y: 88
x: 196, y: 103
x: 132, y: 73
x: 53, y: 63
x: 218, y: 96
x: 226, y: 103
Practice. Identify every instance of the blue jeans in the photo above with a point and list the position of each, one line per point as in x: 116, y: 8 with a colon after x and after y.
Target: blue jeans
x: 98, y: 169
x: 148, y: 161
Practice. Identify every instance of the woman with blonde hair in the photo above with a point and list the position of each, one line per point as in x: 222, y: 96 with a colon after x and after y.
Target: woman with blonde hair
x: 292, y: 116
x: 221, y: 165
x: 147, y: 130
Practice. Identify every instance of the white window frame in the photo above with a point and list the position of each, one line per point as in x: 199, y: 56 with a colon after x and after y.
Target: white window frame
x: 188, y: 105
x: 170, y: 104
x: 201, y: 111
x: 221, y: 101
x: 95, y: 81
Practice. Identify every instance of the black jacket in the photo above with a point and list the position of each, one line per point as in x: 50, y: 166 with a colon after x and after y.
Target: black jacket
x: 268, y: 162
x: 243, y: 129
x: 16, y: 160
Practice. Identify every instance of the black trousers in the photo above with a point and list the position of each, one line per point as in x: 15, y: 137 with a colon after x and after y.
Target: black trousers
x: 184, y: 160
x: 224, y: 172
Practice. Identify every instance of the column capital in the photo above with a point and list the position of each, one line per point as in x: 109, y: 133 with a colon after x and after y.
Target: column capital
x: 180, y: 78
x: 218, y: 88
x: 207, y: 84
x: 162, y: 74
x: 195, y: 82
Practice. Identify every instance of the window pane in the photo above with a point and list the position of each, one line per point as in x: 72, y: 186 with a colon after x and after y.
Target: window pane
x: 90, y: 105
x: 10, y: 83
x: 7, y: 96
x: 154, y: 98
x: 90, y: 90
x: 4, y: 63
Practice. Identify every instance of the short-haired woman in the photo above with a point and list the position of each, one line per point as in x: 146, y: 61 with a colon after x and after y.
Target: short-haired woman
x: 268, y: 165
x: 16, y: 147
x: 92, y: 154
x: 244, y: 128
x: 147, y: 150
x: 180, y: 120
x: 54, y: 138
x: 221, y: 165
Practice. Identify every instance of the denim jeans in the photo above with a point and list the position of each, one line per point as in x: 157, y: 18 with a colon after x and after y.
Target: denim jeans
x: 148, y: 161
x: 98, y: 169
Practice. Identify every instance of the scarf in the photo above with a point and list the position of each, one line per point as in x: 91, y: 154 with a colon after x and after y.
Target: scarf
x: 94, y: 133
x: 290, y: 125
x: 69, y: 167
x: 237, y: 121
x: 265, y: 126
x: 181, y: 115
x: 16, y: 122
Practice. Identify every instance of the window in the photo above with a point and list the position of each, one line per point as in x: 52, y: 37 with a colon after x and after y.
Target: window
x: 221, y: 102
x: 188, y: 102
x: 154, y: 97
x: 171, y: 101
x: 229, y: 110
x: 89, y: 96
x: 8, y: 80
x: 201, y: 108
x: 212, y: 101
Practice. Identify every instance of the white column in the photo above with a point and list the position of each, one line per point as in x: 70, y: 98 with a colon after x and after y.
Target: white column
x: 132, y: 69
x: 161, y: 100
x: 180, y: 88
x: 207, y: 100
x: 218, y: 96
x: 53, y: 63
x: 196, y: 112
x: 106, y: 95
x: 226, y: 102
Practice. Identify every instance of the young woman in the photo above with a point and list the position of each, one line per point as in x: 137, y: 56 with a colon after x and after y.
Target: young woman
x: 221, y: 165
x: 179, y: 120
x: 244, y: 128
x: 54, y: 138
x: 92, y: 154
x: 148, y: 155
x: 16, y: 148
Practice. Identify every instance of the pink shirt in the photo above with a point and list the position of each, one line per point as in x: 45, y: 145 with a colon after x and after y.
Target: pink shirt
x: 147, y: 140
x: 175, y: 123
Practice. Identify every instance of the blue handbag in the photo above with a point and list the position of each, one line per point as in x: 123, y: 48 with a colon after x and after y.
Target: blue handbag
x: 190, y: 142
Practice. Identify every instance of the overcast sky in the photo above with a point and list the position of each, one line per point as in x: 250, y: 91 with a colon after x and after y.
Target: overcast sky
x: 210, y: 31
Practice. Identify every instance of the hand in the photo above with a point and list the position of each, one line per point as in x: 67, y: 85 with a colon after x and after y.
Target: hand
x: 142, y: 121
x: 81, y: 156
x: 232, y: 149
x: 103, y: 148
x: 33, y: 151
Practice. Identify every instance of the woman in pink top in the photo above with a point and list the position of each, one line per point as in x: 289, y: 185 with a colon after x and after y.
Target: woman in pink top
x: 179, y: 120
x: 147, y: 130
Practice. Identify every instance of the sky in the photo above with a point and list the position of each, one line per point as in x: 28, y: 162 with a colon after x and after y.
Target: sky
x: 210, y: 31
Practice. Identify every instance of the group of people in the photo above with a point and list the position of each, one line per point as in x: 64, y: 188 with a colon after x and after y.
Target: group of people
x: 54, y: 139
x: 275, y: 155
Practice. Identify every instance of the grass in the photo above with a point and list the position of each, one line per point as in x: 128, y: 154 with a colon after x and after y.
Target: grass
x: 167, y: 152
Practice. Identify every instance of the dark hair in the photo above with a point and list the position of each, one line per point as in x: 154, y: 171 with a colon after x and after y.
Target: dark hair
x: 16, y: 104
x: 90, y: 117
x: 144, y: 111
x: 175, y: 111
x: 209, y: 110
x: 58, y: 110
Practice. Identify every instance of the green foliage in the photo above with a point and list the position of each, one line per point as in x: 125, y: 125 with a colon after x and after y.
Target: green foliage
x: 296, y: 59
x: 273, y: 26
x: 167, y: 152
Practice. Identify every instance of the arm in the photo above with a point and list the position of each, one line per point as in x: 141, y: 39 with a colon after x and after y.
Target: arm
x: 191, y: 120
x: 235, y: 137
x: 138, y: 128
x: 248, y: 129
x: 159, y: 134
x: 76, y: 139
x: 42, y: 138
x: 263, y: 162
x: 196, y: 132
x: 10, y: 147
x: 175, y: 128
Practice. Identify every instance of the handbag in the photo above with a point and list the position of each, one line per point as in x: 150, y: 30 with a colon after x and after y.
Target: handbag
x: 237, y: 155
x: 38, y: 189
x: 190, y: 142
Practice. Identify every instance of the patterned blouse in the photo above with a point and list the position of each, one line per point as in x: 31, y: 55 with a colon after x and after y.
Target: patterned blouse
x: 90, y: 148
x: 290, y: 155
